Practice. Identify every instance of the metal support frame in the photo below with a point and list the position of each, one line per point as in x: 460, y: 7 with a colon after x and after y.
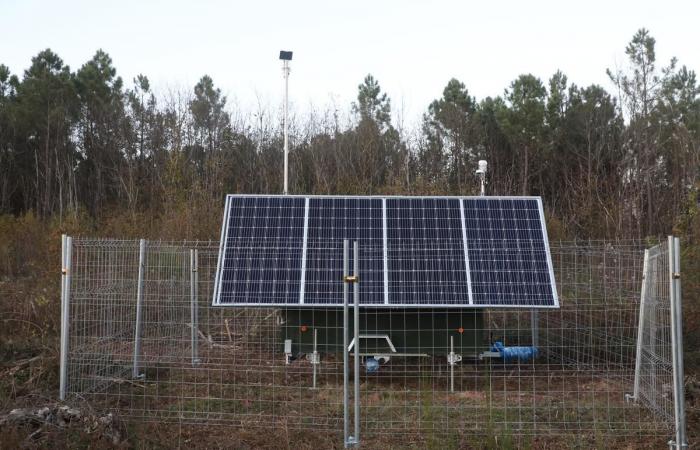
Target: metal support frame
x: 139, y: 310
x: 674, y: 259
x: 374, y: 336
x: 66, y: 266
x: 194, y: 310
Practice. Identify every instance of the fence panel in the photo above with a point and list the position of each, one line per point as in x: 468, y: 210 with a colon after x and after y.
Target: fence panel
x: 573, y: 388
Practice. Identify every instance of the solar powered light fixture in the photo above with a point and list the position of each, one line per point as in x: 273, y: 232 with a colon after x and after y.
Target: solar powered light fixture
x: 286, y: 56
x: 481, y: 173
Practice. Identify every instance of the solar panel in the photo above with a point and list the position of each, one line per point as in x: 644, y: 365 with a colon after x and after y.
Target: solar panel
x: 414, y: 251
x: 508, y: 255
x: 426, y: 252
x: 332, y: 219
x: 265, y: 239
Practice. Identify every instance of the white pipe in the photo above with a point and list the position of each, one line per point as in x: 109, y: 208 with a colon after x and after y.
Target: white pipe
x: 286, y: 126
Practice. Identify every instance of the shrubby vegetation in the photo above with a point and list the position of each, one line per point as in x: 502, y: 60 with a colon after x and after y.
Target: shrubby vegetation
x: 82, y: 144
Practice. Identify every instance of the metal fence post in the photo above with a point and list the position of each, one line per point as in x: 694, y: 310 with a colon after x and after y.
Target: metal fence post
x: 66, y: 256
x: 346, y: 377
x: 640, y: 328
x: 356, y: 301
x: 535, y: 327
x: 315, y: 358
x: 680, y: 441
x: 452, y: 366
x: 194, y: 310
x: 139, y: 309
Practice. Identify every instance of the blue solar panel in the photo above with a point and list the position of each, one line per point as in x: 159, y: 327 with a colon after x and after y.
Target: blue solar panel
x: 426, y: 252
x: 414, y: 251
x: 508, y: 256
x: 332, y: 219
x: 264, y: 236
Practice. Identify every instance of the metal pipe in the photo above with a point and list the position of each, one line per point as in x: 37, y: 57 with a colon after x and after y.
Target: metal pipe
x: 64, y: 319
x: 314, y: 360
x: 139, y: 308
x: 346, y: 399
x: 194, y: 310
x: 535, y: 327
x: 356, y: 301
x: 69, y: 277
x: 677, y: 342
x: 286, y: 138
x: 452, y: 364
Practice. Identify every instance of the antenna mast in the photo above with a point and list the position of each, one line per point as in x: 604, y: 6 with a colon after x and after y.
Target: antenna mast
x: 286, y: 56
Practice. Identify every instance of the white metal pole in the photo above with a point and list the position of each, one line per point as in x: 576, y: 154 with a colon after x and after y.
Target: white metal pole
x: 139, y: 309
x: 356, y: 301
x: 677, y: 342
x: 286, y: 127
x: 194, y: 311
x: 452, y: 366
x: 535, y: 327
x: 64, y: 320
x: 69, y: 277
x: 346, y: 369
x: 314, y: 359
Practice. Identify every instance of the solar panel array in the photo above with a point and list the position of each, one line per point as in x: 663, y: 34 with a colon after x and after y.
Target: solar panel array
x: 414, y: 251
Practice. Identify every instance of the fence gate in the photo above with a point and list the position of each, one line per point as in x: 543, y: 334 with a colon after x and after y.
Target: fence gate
x: 658, y: 376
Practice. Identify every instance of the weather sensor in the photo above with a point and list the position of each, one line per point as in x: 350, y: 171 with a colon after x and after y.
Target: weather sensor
x: 481, y: 173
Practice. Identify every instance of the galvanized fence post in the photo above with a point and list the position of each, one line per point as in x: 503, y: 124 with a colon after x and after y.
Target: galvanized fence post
x: 66, y: 257
x: 139, y: 309
x: 356, y: 301
x: 346, y: 377
x: 451, y: 362
x: 194, y: 310
x: 680, y: 441
x: 535, y: 327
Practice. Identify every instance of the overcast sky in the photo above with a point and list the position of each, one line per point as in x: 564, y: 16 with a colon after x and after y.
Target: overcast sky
x: 413, y: 48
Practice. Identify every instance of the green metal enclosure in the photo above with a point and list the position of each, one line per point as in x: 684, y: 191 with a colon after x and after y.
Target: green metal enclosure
x: 412, y: 331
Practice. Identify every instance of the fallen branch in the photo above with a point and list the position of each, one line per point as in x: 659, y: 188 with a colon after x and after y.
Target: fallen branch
x: 120, y: 381
x: 19, y: 365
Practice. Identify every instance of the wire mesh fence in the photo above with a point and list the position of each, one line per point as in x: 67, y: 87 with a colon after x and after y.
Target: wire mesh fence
x: 654, y: 371
x: 157, y: 349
